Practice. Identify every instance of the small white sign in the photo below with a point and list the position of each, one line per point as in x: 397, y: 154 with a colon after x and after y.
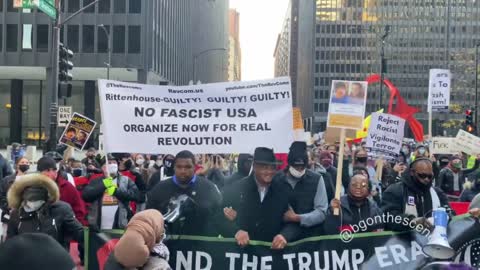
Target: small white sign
x: 64, y: 115
x: 385, y: 135
x: 467, y: 143
x: 439, y: 90
x: 443, y: 146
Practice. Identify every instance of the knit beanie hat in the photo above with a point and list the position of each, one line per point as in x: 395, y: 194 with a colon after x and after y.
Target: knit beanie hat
x: 38, y: 251
x: 297, y: 156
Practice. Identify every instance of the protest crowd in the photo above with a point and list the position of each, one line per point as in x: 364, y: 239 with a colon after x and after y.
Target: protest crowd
x: 245, y: 197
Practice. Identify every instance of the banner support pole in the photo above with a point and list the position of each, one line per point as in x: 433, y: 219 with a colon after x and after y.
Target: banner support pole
x: 338, y: 186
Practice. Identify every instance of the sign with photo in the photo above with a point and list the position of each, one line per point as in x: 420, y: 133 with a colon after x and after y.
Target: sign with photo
x: 78, y: 131
x: 347, y: 104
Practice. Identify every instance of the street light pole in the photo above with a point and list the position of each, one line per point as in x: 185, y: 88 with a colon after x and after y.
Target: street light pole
x: 109, y: 64
x: 476, y: 88
x: 195, y: 58
x: 382, y: 63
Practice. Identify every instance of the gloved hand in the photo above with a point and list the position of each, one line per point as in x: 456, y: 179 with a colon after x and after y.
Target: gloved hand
x: 108, y: 182
x: 111, y: 190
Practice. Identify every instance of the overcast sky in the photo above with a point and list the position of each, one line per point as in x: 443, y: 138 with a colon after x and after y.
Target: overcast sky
x: 260, y: 24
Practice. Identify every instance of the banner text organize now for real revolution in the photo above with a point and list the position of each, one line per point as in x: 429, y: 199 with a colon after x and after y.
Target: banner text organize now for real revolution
x: 232, y: 117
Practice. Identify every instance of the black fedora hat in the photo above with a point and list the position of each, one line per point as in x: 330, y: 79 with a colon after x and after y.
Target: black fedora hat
x: 265, y: 155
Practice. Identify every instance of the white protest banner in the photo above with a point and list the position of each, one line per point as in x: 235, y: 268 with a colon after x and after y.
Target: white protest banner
x: 439, y: 90
x: 347, y: 104
x: 443, y: 146
x: 385, y: 135
x: 233, y: 117
x: 467, y: 143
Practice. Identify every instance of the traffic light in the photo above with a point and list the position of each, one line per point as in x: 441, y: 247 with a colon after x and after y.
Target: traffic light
x: 469, y: 124
x: 64, y: 64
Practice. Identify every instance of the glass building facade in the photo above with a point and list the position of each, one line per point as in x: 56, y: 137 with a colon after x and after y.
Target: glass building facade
x: 424, y: 34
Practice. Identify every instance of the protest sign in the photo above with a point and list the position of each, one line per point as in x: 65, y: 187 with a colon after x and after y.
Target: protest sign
x: 78, y: 131
x: 467, y: 143
x: 385, y: 135
x: 443, y: 146
x: 347, y: 104
x: 439, y: 90
x: 231, y: 117
x: 297, y: 118
x: 332, y: 135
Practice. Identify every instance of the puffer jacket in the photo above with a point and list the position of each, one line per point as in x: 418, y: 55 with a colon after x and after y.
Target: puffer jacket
x: 54, y: 218
x: 126, y: 192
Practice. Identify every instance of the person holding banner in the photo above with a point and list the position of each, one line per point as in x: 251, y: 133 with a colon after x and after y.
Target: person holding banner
x: 110, y: 197
x: 260, y: 203
x: 355, y: 207
x: 414, y: 197
x: 196, y: 214
x: 307, y: 194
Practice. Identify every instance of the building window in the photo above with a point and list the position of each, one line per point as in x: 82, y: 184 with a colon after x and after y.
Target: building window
x: 42, y: 37
x: 134, y: 33
x: 119, y: 6
x: 27, y: 37
x: 90, y: 9
x: 104, y: 6
x: 1, y: 35
x: 73, y: 6
x: 118, y: 38
x: 12, y: 37
x: 73, y: 32
x: 135, y: 6
x: 102, y: 39
x: 88, y: 41
x: 10, y: 7
x: 1, y: 5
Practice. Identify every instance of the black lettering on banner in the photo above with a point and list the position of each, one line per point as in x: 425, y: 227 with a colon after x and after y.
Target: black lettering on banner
x: 166, y: 141
x: 140, y: 112
x: 242, y: 113
x: 255, y: 127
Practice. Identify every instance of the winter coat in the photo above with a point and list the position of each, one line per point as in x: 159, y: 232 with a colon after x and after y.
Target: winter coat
x: 351, y: 214
x: 5, y: 168
x: 327, y: 179
x: 55, y: 218
x: 216, y: 176
x: 5, y: 184
x: 262, y: 220
x: 70, y: 195
x: 397, y: 195
x: 154, y: 263
x: 241, y: 173
x: 469, y: 191
x: 126, y: 192
x: 200, y: 217
x: 445, y: 178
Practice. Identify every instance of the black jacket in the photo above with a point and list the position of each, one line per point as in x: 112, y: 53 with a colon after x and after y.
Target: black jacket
x: 262, y: 220
x: 56, y: 220
x: 302, y: 200
x: 126, y: 192
x: 397, y: 195
x: 445, y: 178
x: 5, y: 184
x: 199, y: 219
x: 241, y: 173
x: 5, y: 168
x: 351, y: 214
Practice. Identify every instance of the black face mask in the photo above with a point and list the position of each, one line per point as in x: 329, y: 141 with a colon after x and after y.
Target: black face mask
x: 361, y: 159
x: 23, y: 168
x: 443, y: 164
x: 77, y: 172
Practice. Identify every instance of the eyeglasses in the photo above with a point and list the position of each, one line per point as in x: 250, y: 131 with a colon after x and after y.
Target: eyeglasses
x: 359, y: 185
x: 425, y: 175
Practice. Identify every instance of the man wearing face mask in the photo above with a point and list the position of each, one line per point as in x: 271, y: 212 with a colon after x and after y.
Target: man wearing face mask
x: 126, y: 167
x: 452, y: 178
x: 110, y: 198
x: 90, y: 162
x: 307, y: 194
x: 328, y: 172
x: 35, y: 200
x: 414, y: 197
x: 165, y: 171
x: 68, y: 193
x: 244, y: 167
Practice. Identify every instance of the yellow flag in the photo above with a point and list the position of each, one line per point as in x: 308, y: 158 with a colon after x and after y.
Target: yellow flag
x: 362, y: 133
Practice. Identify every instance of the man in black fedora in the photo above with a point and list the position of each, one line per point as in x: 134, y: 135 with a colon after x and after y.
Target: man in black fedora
x: 306, y: 191
x: 259, y: 202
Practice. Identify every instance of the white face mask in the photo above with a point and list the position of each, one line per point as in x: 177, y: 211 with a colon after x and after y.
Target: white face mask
x: 296, y: 173
x: 159, y: 163
x: 112, y: 169
x: 421, y: 151
x: 140, y: 161
x: 32, y: 206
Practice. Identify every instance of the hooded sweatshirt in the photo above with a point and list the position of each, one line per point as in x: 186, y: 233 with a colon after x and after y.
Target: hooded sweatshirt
x: 242, y: 172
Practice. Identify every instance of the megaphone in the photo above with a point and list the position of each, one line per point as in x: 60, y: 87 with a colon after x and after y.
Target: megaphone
x: 438, y: 246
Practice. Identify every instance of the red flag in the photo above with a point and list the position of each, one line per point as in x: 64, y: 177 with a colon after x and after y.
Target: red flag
x: 402, y: 109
